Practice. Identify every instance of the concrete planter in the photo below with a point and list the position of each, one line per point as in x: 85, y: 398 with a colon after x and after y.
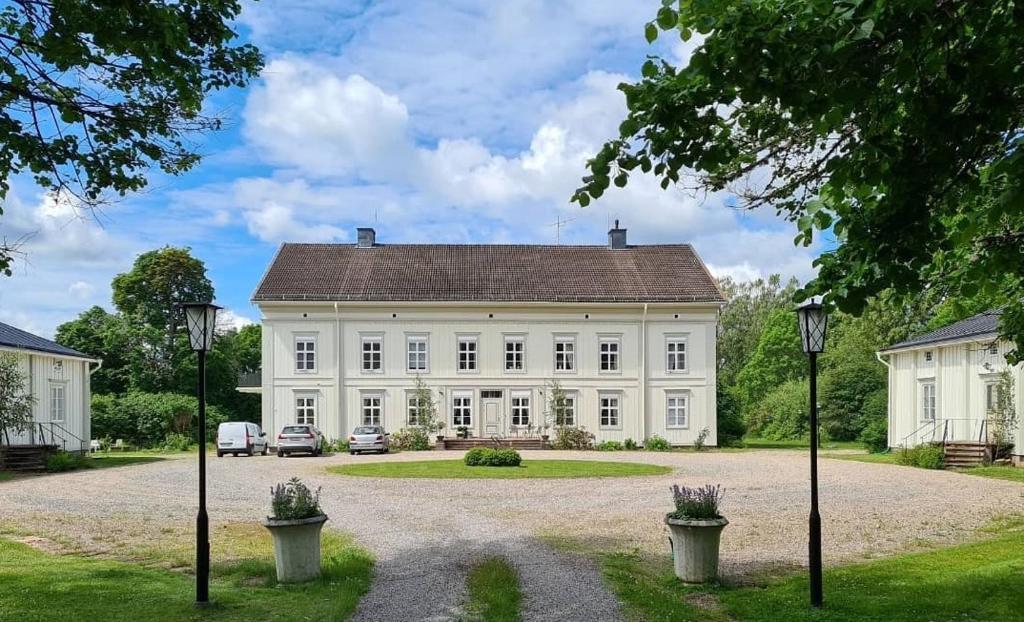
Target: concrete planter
x: 296, y: 547
x: 695, y: 547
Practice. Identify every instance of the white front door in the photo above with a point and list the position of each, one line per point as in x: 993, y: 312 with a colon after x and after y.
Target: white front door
x: 492, y: 415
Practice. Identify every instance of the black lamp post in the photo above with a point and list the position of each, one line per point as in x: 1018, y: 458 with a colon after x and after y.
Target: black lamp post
x: 200, y: 319
x: 813, y: 322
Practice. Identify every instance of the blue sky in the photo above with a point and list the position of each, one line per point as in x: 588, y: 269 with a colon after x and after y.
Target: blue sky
x: 459, y: 121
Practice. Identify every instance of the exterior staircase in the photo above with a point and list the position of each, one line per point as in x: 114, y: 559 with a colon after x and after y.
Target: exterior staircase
x: 25, y: 457
x: 961, y: 454
x: 515, y: 443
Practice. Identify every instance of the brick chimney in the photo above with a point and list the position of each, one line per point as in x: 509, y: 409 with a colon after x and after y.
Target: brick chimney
x: 616, y: 237
x: 367, y: 237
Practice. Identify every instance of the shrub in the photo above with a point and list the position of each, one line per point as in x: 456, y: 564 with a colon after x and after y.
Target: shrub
x: 340, y: 444
x: 486, y: 456
x: 729, y: 420
x: 411, y: 439
x: 630, y: 444
x: 111, y: 421
x: 657, y: 443
x: 294, y: 501
x: 177, y: 442
x: 924, y: 456
x: 875, y: 434
x: 569, y: 437
x: 702, y: 437
x: 696, y: 503
x: 65, y: 461
x: 610, y: 446
x: 781, y: 414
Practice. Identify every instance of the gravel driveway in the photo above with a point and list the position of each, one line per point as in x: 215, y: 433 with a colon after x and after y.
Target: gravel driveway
x: 427, y: 533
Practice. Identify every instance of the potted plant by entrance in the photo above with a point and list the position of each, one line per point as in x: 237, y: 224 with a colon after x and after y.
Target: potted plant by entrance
x: 695, y: 529
x: 295, y: 527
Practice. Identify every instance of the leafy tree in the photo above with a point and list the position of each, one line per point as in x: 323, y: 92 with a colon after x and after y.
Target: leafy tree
x: 94, y: 94
x: 748, y: 306
x: 783, y: 412
x: 15, y: 401
x: 875, y: 434
x: 729, y: 419
x: 557, y: 405
x: 247, y: 348
x: 777, y: 359
x: 427, y: 417
x: 105, y: 336
x: 895, y: 126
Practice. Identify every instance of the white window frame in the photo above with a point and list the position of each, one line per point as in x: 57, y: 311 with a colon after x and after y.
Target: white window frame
x: 929, y: 356
x: 306, y: 406
x: 371, y: 340
x: 993, y: 349
x: 568, y: 344
x: 423, y: 339
x: 58, y: 366
x: 614, y: 355
x: 58, y: 401
x: 616, y: 408
x: 518, y: 408
x: 572, y: 398
x: 510, y: 340
x: 306, y: 358
x: 472, y: 354
x: 677, y: 402
x: 466, y: 408
x: 992, y: 391
x: 365, y: 408
x: 929, y: 402
x: 672, y: 343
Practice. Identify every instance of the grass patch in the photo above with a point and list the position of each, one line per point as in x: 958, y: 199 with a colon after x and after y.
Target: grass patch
x: 1010, y: 473
x: 243, y: 586
x: 494, y: 594
x: 107, y: 461
x: 455, y: 469
x: 969, y: 582
x: 886, y: 458
x: 5, y: 475
x: 802, y: 443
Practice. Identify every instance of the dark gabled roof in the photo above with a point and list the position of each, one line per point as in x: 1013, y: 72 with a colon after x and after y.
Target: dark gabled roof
x: 487, y: 273
x: 982, y: 324
x: 12, y: 337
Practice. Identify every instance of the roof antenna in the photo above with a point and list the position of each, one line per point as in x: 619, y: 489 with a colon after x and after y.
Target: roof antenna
x: 558, y: 224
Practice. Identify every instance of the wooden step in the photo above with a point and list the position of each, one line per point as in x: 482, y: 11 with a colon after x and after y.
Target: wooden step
x: 460, y: 444
x: 24, y: 457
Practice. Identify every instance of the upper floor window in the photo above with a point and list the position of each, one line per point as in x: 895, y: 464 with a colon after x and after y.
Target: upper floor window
x: 305, y: 409
x: 515, y: 353
x: 373, y: 354
x: 677, y: 410
x: 58, y: 403
x: 520, y: 409
x: 305, y: 354
x: 928, y: 401
x: 58, y: 366
x: 565, y: 354
x: 467, y: 351
x: 416, y: 347
x: 564, y: 412
x: 372, y: 409
x: 993, y: 349
x: 609, y: 415
x: 609, y: 353
x: 675, y: 350
x: 928, y: 356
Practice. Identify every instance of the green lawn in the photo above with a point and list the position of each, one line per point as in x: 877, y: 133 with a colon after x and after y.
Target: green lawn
x: 455, y: 469
x: 106, y: 461
x: 1013, y: 474
x: 977, y: 582
x: 37, y: 584
x: 803, y: 443
x: 494, y: 595
x: 5, y: 475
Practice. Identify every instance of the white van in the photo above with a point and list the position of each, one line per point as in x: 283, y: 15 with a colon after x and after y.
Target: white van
x: 240, y: 437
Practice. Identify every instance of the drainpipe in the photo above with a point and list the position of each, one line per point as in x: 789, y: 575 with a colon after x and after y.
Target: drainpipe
x: 643, y: 376
x: 338, y: 371
x: 888, y: 396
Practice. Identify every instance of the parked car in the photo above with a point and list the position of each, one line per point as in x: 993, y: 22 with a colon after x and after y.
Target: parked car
x: 300, y: 438
x: 241, y: 437
x: 369, y: 438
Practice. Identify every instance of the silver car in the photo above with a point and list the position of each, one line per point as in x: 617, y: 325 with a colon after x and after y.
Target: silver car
x: 301, y: 438
x: 368, y: 438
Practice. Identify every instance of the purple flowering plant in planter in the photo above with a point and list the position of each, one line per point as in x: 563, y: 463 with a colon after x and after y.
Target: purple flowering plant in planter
x: 697, y: 503
x: 695, y: 528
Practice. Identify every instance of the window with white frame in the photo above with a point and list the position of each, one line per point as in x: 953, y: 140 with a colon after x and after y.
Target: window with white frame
x: 564, y: 413
x: 609, y: 410
x: 58, y: 402
x: 520, y: 409
x: 416, y: 347
x: 414, y: 406
x: 993, y: 393
x: 928, y: 401
x: 462, y: 409
x: 565, y: 353
x: 675, y: 352
x: 608, y: 348
x: 305, y: 353
x: 928, y: 356
x: 372, y: 403
x: 467, y: 352
x: 993, y: 349
x: 373, y: 354
x: 305, y: 409
x: 515, y: 353
x: 677, y: 409
x: 58, y: 367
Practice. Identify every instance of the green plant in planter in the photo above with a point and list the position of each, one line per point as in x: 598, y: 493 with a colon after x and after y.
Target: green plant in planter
x: 462, y: 431
x: 293, y: 500
x: 696, y: 503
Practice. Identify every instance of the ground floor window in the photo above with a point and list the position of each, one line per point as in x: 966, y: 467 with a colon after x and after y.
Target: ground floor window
x: 371, y: 409
x: 415, y: 407
x: 305, y: 409
x: 564, y: 411
x: 677, y: 410
x: 520, y: 410
x: 58, y: 402
x: 609, y: 415
x: 928, y: 401
x: 462, y: 410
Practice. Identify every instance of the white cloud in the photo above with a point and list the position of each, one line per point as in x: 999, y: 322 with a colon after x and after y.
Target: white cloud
x: 81, y: 290
x: 274, y: 222
x: 228, y: 319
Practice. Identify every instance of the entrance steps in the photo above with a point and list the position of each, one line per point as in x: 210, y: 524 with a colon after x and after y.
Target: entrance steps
x: 961, y: 454
x: 514, y: 443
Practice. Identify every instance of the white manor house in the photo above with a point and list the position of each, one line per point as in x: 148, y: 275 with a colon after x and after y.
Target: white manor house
x: 628, y: 332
